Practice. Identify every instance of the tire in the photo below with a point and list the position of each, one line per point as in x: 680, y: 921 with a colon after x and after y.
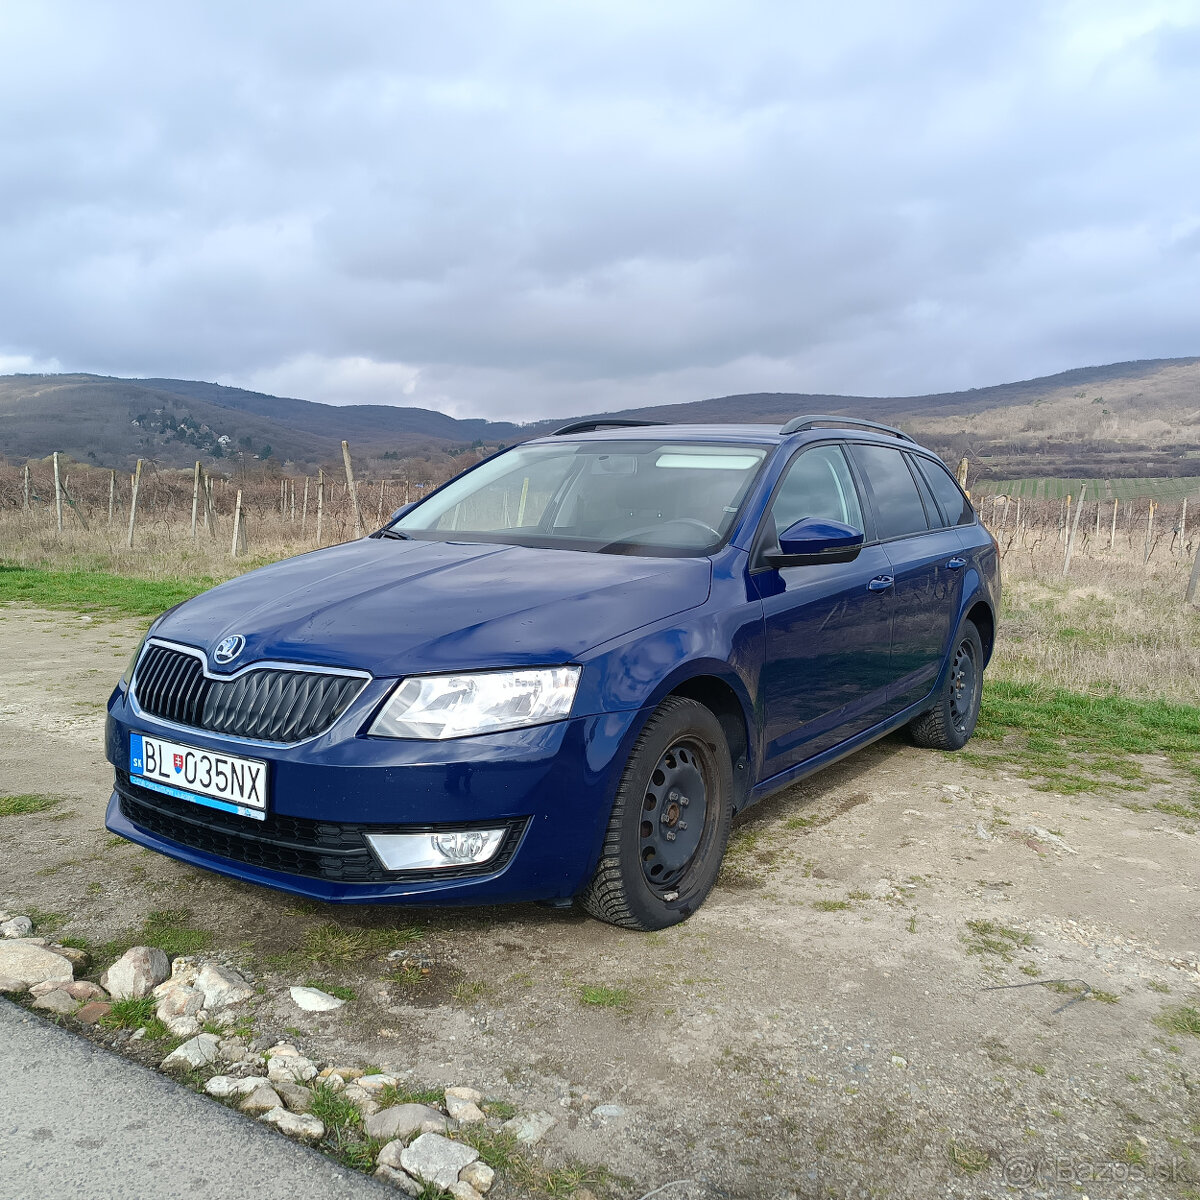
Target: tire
x: 948, y: 725
x: 646, y: 878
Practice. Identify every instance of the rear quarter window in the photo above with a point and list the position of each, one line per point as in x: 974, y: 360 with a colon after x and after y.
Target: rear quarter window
x: 956, y: 508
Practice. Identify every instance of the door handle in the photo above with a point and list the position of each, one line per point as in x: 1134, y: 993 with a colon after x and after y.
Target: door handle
x: 880, y: 583
x: 955, y: 563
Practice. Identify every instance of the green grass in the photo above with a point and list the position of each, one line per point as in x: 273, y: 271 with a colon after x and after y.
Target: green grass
x: 45, y: 922
x: 968, y: 1159
x: 505, y: 1155
x: 332, y: 989
x: 988, y: 937
x: 334, y: 945
x: 392, y: 1095
x: 28, y: 802
x: 598, y: 996
x: 165, y: 928
x: 130, y: 1013
x: 96, y: 591
x: 831, y: 905
x: 1070, y: 742
x: 1054, y: 487
x: 1182, y: 1018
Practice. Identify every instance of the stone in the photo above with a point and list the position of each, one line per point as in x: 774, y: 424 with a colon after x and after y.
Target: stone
x: 184, y: 969
x: 136, y: 973
x: 314, y: 1000
x: 78, y: 958
x: 374, y: 1084
x: 85, y: 989
x: 436, y: 1159
x: 195, y: 1052
x: 47, y: 985
x: 262, y: 1099
x: 233, y: 1050
x: 93, y: 1011
x: 298, y: 1125
x: 295, y: 1098
x: 179, y: 1007
x: 221, y: 986
x: 462, y: 1103
x: 347, y: 1073
x: 406, y: 1183
x: 138, y: 1034
x: 900, y: 1061
x: 30, y: 964
x: 530, y: 1128
x: 57, y: 1001
x: 361, y: 1100
x: 403, y: 1120
x: 16, y: 927
x: 224, y: 1086
x: 290, y: 1068
x: 479, y: 1175
x: 10, y: 986
x: 609, y: 1110
x: 462, y: 1191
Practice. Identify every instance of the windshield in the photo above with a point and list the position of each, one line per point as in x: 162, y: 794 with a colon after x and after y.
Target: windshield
x: 620, y: 497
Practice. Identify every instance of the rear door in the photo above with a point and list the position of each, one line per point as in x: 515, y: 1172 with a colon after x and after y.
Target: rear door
x: 926, y: 565
x: 827, y: 632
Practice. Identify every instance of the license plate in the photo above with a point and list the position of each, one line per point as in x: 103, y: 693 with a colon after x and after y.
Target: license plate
x: 232, y: 784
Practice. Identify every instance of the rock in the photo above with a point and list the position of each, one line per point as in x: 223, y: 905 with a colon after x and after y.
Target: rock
x: 298, y: 1125
x: 609, y: 1110
x: 462, y: 1191
x: 290, y: 1068
x: 462, y: 1103
x: 79, y: 959
x: 403, y: 1120
x: 436, y: 1159
x: 16, y: 927
x: 233, y: 1050
x: 347, y: 1073
x: 530, y: 1127
x: 30, y: 964
x: 335, y: 1083
x: 138, y: 1034
x: 295, y: 1098
x: 92, y: 1011
x: 263, y: 1098
x: 374, y: 1084
x: 479, y: 1175
x: 361, y: 1100
x: 184, y: 969
x: 221, y: 986
x: 179, y: 1007
x: 10, y: 986
x: 314, y: 1000
x: 57, y: 1001
x: 1044, y: 835
x: 224, y: 1086
x: 898, y: 1061
x: 195, y: 1052
x: 84, y: 989
x: 47, y: 985
x: 136, y: 973
x: 406, y: 1183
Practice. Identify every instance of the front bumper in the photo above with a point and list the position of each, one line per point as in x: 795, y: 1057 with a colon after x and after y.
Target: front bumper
x: 551, y: 786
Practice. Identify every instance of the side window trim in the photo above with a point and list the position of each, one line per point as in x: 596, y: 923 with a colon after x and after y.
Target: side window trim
x: 757, y: 547
x: 934, y: 517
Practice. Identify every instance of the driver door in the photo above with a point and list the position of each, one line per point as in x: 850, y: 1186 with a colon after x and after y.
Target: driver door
x: 827, y: 631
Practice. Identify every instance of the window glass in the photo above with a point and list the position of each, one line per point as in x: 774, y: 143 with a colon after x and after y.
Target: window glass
x: 817, y: 484
x: 954, y: 505
x: 898, y: 507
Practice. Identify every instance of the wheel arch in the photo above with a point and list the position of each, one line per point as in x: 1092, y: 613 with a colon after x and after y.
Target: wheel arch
x: 981, y: 616
x: 723, y: 701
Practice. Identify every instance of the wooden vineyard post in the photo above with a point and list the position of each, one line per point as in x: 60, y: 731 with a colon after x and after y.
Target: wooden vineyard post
x: 112, y: 494
x: 292, y: 492
x: 962, y: 474
x: 57, y: 493
x: 25, y: 506
x: 1097, y: 522
x: 210, y: 513
x: 304, y: 510
x: 1112, y: 533
x: 379, y: 515
x: 239, y: 528
x: 320, y: 504
x: 134, y: 488
x: 1149, y: 531
x: 1074, y: 528
x: 1183, y: 528
x: 195, y: 497
x: 352, y: 491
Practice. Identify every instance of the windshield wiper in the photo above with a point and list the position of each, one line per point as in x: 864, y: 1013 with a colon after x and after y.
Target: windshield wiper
x: 395, y: 534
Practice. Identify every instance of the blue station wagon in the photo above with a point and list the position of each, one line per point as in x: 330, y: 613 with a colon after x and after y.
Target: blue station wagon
x: 559, y: 676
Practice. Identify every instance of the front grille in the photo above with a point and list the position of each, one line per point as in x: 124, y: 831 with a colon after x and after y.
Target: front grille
x: 330, y: 850
x: 270, y: 704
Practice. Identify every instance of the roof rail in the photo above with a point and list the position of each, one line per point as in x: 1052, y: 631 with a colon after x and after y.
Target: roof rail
x: 796, y: 424
x: 589, y: 426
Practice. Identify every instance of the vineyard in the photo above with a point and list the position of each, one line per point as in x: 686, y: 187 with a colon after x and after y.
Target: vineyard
x: 1056, y: 488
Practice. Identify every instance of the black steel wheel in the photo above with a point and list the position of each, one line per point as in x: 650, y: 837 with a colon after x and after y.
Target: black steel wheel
x: 949, y: 724
x: 669, y: 824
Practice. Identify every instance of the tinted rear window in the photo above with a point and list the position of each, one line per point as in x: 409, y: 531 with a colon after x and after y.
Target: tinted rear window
x: 956, y: 508
x: 898, y: 507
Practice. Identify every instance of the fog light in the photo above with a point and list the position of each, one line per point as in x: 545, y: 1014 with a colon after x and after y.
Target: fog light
x: 432, y: 851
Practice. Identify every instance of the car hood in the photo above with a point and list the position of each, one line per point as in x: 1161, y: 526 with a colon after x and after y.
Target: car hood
x: 396, y: 608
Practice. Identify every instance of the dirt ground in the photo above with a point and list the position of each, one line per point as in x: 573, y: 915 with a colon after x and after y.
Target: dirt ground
x: 823, y: 1027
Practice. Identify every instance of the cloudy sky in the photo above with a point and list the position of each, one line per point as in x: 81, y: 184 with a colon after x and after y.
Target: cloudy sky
x: 524, y: 209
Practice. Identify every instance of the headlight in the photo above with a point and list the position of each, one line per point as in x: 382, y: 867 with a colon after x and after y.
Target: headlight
x: 125, y: 679
x: 452, y: 706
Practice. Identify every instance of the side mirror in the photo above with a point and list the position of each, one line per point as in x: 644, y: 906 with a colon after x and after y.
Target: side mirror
x: 816, y: 540
x: 399, y: 512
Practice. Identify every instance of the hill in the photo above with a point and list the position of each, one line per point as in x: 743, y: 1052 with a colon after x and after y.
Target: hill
x: 1124, y: 419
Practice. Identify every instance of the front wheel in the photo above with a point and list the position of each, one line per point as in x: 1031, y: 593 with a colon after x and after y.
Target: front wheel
x: 669, y: 824
x: 948, y: 725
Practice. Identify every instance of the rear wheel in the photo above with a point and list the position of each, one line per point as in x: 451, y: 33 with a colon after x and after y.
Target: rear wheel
x: 948, y: 725
x: 669, y: 824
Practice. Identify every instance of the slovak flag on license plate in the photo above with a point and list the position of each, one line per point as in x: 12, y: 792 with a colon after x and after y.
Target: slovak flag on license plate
x: 178, y: 762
